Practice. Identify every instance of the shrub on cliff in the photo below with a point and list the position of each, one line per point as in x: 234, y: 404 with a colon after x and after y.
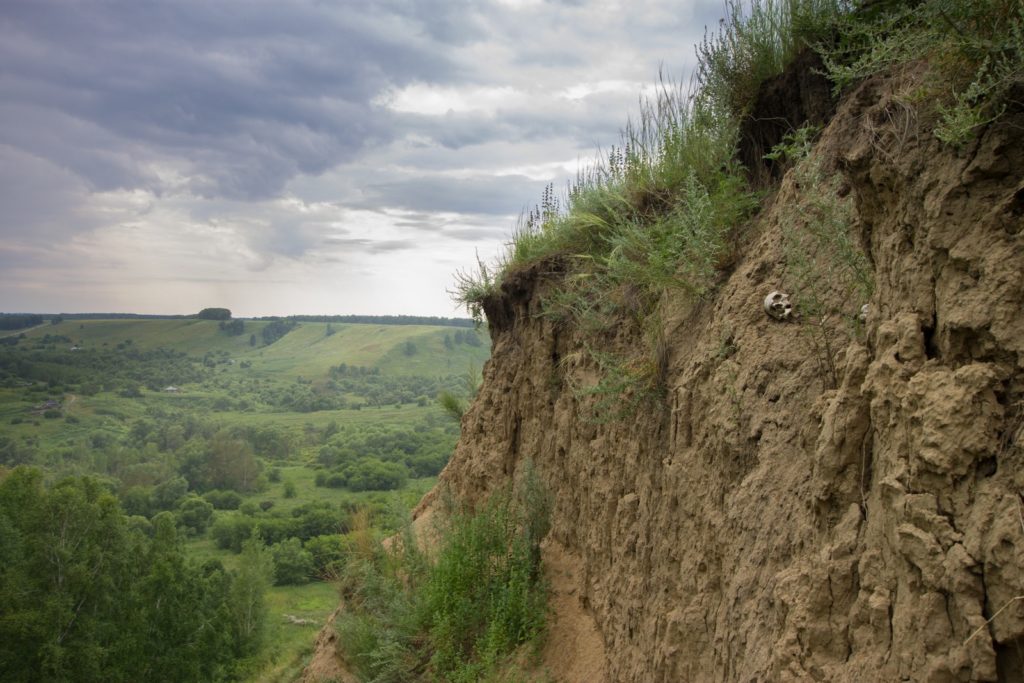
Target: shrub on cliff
x: 459, y: 613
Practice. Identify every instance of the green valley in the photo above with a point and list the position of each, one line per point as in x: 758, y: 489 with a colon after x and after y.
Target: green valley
x: 275, y: 438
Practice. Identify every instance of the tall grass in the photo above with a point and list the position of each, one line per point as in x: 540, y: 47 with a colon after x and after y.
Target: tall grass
x: 662, y: 210
x: 457, y: 613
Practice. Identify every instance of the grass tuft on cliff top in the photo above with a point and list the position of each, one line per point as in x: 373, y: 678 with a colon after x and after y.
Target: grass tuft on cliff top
x: 657, y: 210
x: 663, y: 210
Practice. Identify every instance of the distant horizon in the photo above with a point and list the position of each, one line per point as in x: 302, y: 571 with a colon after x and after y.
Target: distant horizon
x: 192, y: 314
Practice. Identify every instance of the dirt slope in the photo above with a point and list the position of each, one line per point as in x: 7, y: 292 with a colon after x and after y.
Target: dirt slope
x: 773, y: 521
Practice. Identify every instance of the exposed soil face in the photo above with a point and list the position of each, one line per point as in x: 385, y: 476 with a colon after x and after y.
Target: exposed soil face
x: 799, y: 96
x: 771, y: 520
x: 326, y: 666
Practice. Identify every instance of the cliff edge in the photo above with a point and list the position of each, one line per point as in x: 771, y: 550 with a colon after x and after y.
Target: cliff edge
x: 832, y: 501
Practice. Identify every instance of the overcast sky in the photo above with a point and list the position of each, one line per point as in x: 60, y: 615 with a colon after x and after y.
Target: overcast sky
x: 299, y: 156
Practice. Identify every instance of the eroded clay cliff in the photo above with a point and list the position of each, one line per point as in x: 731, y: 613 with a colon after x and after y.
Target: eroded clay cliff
x: 780, y: 516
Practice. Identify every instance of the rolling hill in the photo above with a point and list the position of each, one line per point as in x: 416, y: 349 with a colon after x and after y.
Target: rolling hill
x: 306, y: 351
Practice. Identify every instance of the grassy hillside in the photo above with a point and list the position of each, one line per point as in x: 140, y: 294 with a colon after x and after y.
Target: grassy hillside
x: 306, y: 351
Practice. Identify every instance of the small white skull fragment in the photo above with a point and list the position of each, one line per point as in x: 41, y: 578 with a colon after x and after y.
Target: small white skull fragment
x: 778, y: 306
x: 863, y: 316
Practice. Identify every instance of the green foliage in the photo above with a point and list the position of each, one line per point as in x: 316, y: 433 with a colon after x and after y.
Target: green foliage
x: 275, y: 330
x: 975, y: 51
x: 195, y: 514
x: 159, y: 450
x: 307, y: 521
x: 292, y: 563
x: 247, y: 597
x: 223, y: 500
x: 461, y: 612
x: 369, y: 474
x: 329, y: 552
x: 756, y: 41
x: 472, y: 288
x: 422, y: 450
x: 226, y: 462
x: 453, y: 405
x: 455, y: 402
x: 231, y: 531
x: 233, y: 328
x: 214, y: 314
x: 166, y: 495
x: 19, y: 321
x: 86, y: 597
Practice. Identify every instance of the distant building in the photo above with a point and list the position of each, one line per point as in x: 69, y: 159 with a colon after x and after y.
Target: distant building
x: 172, y: 389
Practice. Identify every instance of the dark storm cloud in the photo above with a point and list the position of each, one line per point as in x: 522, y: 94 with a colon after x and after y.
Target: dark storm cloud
x: 241, y: 95
x: 202, y: 140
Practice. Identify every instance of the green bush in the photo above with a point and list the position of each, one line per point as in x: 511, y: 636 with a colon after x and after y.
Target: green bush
x: 975, y: 51
x: 223, y: 500
x: 293, y: 565
x: 194, y: 514
x: 231, y: 531
x: 373, y: 475
x: 329, y: 552
x: 460, y: 615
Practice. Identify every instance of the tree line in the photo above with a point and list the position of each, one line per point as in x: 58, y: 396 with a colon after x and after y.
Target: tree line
x: 19, y: 321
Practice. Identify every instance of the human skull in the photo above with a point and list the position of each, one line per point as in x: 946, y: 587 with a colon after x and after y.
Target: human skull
x: 778, y: 306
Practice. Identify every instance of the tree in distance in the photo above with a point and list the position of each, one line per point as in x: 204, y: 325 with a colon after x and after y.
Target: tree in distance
x: 214, y: 314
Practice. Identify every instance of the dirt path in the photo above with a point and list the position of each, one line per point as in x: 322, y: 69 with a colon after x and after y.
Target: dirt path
x: 11, y: 333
